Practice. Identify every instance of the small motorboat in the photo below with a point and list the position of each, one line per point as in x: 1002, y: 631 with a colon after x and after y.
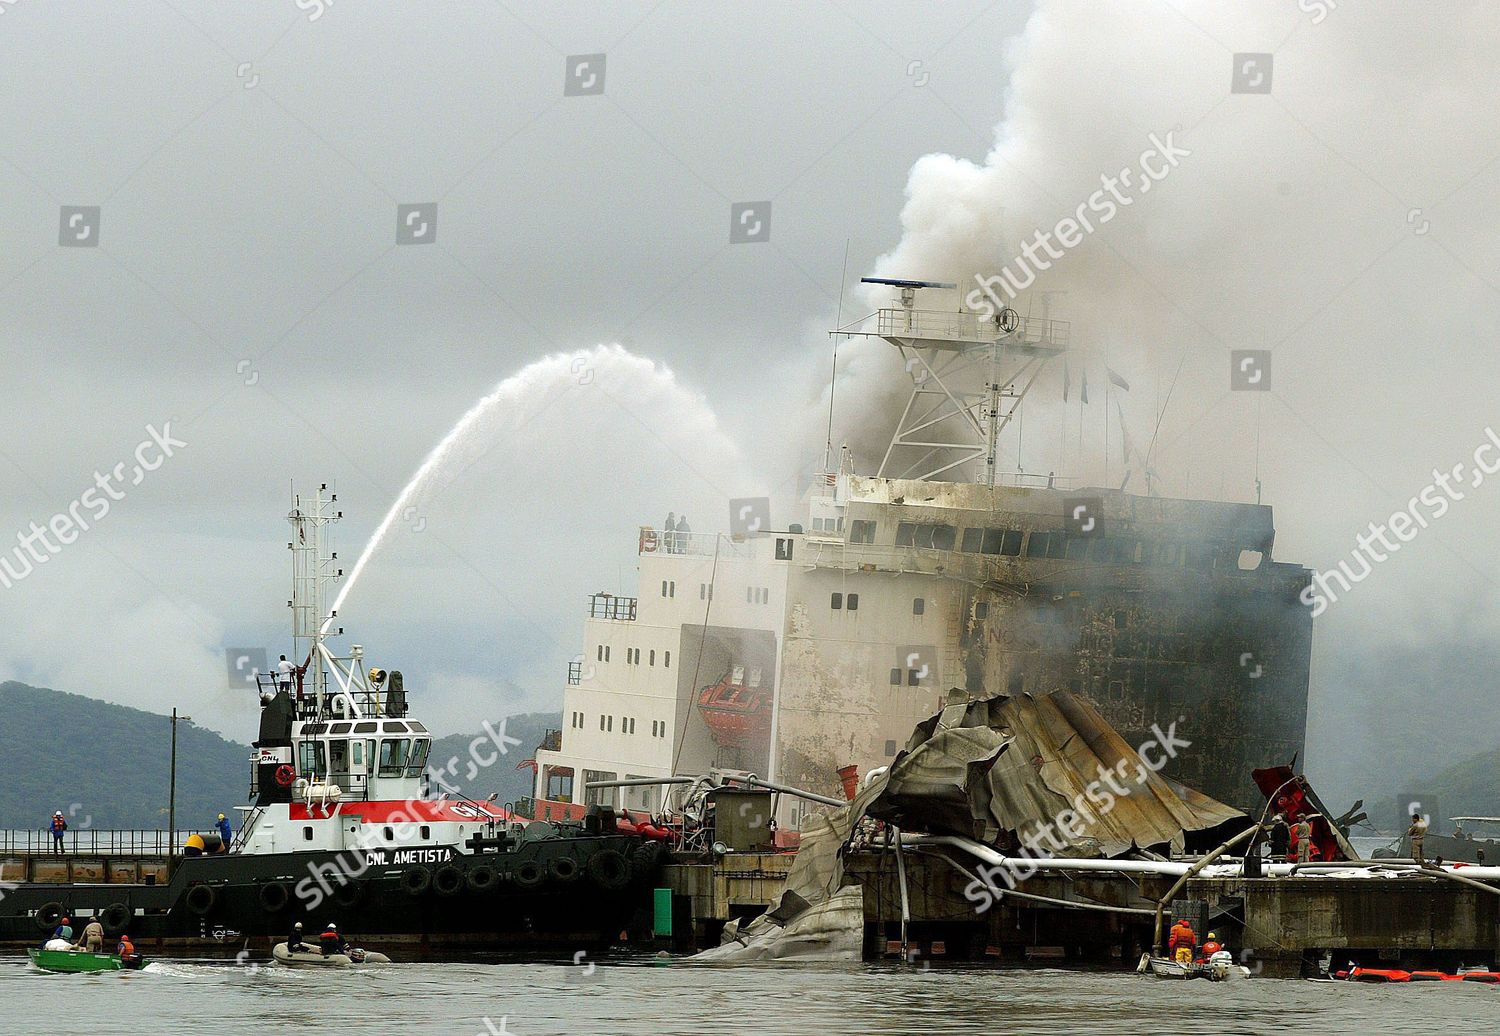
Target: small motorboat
x: 1218, y: 968
x: 315, y: 958
x: 82, y: 961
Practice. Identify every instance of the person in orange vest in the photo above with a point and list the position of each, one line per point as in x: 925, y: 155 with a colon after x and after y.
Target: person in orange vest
x: 1211, y: 946
x: 57, y: 826
x: 331, y: 941
x: 1182, y: 942
x: 126, y: 949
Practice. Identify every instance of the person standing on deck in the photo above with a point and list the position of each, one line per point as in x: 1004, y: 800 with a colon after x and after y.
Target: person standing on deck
x: 57, y: 827
x: 92, y: 939
x: 1182, y: 941
x: 1302, y: 832
x: 1281, y: 839
x: 226, y: 832
x: 669, y: 532
x: 682, y: 535
x: 1417, y: 833
x: 284, y: 671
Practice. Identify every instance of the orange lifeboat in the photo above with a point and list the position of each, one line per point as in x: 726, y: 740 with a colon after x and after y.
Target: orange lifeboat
x: 737, y: 709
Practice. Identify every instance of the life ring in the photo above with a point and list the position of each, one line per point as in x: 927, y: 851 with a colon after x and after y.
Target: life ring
x: 49, y: 915
x: 286, y: 775
x: 416, y: 880
x: 565, y: 868
x: 529, y: 875
x: 274, y: 896
x: 448, y: 880
x: 609, y: 869
x: 482, y: 878
x: 349, y: 892
x: 116, y: 918
x: 201, y: 899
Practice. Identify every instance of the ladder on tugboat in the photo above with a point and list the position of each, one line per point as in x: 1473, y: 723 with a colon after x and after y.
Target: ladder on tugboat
x: 251, y: 816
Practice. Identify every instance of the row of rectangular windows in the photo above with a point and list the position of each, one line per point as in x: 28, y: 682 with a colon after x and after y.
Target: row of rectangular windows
x: 633, y: 656
x: 1056, y: 544
x: 627, y: 724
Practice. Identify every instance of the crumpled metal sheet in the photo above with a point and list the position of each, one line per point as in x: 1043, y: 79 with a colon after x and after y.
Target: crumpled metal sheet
x: 1027, y: 770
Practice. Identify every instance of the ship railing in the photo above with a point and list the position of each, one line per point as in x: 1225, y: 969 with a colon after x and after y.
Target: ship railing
x: 608, y: 606
x: 693, y: 544
x: 96, y: 842
x: 958, y: 326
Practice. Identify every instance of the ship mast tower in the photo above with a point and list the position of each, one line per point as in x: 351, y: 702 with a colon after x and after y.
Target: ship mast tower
x: 314, y: 570
x: 969, y: 376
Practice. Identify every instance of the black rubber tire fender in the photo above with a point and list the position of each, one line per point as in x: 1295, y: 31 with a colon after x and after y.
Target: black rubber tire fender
x: 609, y: 869
x: 644, y: 859
x: 116, y: 918
x: 416, y: 880
x: 349, y: 892
x: 48, y: 915
x: 529, y: 875
x: 482, y: 878
x: 565, y: 869
x: 448, y: 880
x: 200, y: 899
x: 274, y: 896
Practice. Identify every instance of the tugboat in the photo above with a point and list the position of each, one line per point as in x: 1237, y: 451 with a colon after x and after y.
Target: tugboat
x: 341, y: 825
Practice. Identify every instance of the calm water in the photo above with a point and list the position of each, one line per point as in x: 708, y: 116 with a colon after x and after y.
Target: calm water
x: 672, y: 999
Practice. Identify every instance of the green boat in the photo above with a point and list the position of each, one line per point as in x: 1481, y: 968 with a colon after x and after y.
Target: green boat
x: 73, y: 961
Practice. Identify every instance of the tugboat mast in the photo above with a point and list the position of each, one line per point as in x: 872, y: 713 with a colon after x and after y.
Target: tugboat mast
x: 314, y: 569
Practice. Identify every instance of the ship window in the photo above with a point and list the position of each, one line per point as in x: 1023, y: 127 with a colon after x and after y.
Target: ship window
x: 972, y: 541
x: 601, y: 721
x: 1077, y: 547
x: 853, y: 602
x: 366, y: 728
x: 992, y: 540
x: 426, y: 833
x: 609, y: 724
x: 913, y: 678
x: 918, y: 606
x: 651, y: 658
x: 1036, y: 544
x: 906, y: 534
x: 390, y: 836
x: 861, y: 531
x: 313, y: 764
x: 836, y: 601
x: 395, y: 726
x: 1057, y: 547
x: 418, y: 757
x: 1011, y: 547
x: 890, y: 748
x: 416, y: 727
x: 357, y: 754
x: 339, y: 728
x: 338, y: 756
x: 393, y: 753
x: 982, y: 610
x: 895, y: 677
x: 943, y: 537
x: 599, y: 653
x: 667, y: 659
x: 307, y: 834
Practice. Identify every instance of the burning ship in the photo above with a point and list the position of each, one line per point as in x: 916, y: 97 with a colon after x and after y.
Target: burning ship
x: 939, y: 578
x: 342, y: 825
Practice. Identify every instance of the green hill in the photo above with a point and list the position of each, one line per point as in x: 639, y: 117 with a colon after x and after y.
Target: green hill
x: 106, y: 766
x: 1470, y: 787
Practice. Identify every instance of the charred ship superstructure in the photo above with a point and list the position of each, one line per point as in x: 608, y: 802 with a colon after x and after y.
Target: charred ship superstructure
x: 793, y: 651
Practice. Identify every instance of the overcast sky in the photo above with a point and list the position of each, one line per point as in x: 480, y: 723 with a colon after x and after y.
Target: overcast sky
x: 243, y: 280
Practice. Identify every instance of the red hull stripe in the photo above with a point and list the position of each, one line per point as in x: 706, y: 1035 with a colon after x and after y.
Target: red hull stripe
x: 398, y: 810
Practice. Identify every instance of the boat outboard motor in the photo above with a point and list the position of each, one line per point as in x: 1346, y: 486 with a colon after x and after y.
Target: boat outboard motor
x: 395, y: 695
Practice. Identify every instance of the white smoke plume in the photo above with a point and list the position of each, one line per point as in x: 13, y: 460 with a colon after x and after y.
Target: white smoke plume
x: 1345, y: 220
